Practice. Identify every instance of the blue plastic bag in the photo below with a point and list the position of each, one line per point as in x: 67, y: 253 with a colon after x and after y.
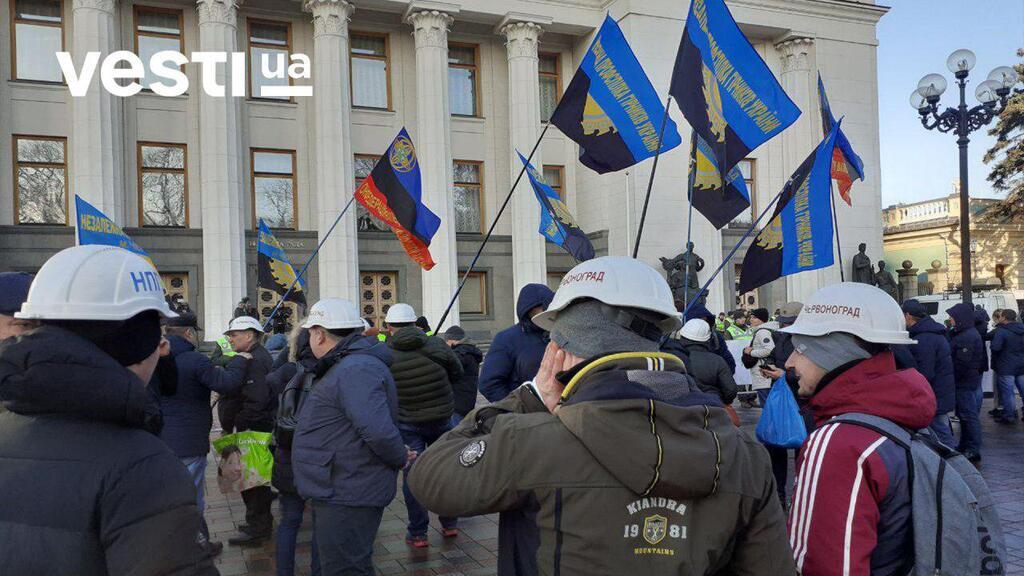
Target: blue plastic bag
x: 781, y: 423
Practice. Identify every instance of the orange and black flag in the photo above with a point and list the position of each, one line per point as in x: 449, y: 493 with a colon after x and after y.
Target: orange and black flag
x: 392, y: 193
x: 846, y: 165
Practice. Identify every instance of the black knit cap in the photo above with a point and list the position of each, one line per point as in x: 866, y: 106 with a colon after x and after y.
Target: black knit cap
x: 760, y: 313
x: 128, y: 342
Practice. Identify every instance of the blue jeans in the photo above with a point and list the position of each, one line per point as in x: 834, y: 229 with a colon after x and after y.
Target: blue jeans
x: 967, y: 408
x: 417, y: 437
x: 941, y: 430
x: 292, y: 508
x: 344, y: 536
x: 196, y: 467
x: 1007, y: 388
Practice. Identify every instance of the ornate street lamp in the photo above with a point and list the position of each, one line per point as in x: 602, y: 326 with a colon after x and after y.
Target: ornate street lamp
x: 992, y: 95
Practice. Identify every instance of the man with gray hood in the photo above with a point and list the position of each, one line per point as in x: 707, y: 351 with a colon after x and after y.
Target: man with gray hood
x: 634, y: 470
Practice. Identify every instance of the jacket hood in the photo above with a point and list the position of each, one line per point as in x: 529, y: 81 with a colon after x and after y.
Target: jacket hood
x: 354, y: 344
x: 531, y: 296
x: 299, y: 349
x: 54, y: 372
x: 875, y: 387
x: 408, y: 338
x: 679, y: 439
x: 698, y: 310
x: 926, y: 325
x: 963, y: 315
x: 1015, y: 327
x: 981, y: 316
x: 179, y: 345
x: 469, y: 350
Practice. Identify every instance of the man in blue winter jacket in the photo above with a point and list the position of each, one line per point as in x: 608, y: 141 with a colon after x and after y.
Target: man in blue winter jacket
x: 968, y: 361
x: 1008, y: 363
x: 187, y: 414
x: 347, y: 450
x: 933, y: 359
x: 516, y: 351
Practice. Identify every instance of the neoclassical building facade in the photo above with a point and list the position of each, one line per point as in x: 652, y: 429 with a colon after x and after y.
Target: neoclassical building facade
x: 473, y: 82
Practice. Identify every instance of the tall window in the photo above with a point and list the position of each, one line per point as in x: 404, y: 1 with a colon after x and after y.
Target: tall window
x: 38, y: 27
x: 273, y: 187
x: 41, y: 174
x: 550, y: 70
x: 156, y: 29
x: 468, y: 177
x: 463, y: 79
x: 270, y: 41
x: 553, y: 176
x: 746, y: 167
x: 363, y: 165
x: 371, y: 86
x: 473, y: 298
x: 163, y: 187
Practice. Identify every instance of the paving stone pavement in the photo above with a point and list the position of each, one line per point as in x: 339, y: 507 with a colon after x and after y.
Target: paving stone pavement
x: 473, y: 553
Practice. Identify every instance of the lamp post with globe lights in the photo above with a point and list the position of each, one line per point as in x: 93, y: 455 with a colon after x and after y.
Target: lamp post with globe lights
x: 992, y: 95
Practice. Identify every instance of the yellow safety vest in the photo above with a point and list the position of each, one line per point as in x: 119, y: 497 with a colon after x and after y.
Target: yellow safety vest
x: 738, y: 333
x: 225, y: 346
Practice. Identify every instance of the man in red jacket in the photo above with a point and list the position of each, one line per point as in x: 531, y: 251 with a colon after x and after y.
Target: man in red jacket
x: 851, y: 510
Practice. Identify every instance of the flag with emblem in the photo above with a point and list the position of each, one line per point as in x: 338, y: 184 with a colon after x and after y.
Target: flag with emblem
x: 724, y: 88
x: 274, y: 271
x: 798, y: 237
x: 718, y: 200
x: 392, y: 193
x: 94, y: 227
x: 846, y: 165
x: 610, y: 107
x: 556, y: 223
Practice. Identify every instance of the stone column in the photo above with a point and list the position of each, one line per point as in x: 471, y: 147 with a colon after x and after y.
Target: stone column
x: 95, y: 127
x: 528, y: 247
x: 908, y: 281
x: 332, y: 129
x: 224, y: 216
x: 799, y: 139
x: 433, y: 143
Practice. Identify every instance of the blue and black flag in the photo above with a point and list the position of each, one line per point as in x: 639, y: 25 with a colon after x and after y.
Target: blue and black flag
x: 798, y: 238
x: 556, y: 223
x: 611, y: 109
x: 846, y: 165
x: 274, y: 271
x: 719, y: 201
x: 724, y: 88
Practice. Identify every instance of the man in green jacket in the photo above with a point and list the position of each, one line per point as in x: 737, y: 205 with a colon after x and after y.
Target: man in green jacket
x: 634, y: 469
x: 424, y: 368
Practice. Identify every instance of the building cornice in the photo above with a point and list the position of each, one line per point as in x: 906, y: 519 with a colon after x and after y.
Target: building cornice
x: 839, y: 9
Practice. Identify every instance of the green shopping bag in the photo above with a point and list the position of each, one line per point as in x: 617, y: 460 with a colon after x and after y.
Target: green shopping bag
x: 244, y: 460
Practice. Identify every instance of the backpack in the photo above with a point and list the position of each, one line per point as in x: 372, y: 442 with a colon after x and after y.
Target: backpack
x: 289, y: 405
x: 957, y: 531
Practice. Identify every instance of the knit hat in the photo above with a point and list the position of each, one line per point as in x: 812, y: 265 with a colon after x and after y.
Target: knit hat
x: 585, y: 331
x: 760, y: 313
x: 831, y: 350
x: 914, y: 308
x: 13, y: 291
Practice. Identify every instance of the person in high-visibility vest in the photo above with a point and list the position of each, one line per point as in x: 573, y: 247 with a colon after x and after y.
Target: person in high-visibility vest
x: 738, y: 330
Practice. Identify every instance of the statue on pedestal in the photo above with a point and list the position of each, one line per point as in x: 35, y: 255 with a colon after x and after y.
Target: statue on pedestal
x: 685, y: 287
x: 885, y: 281
x: 863, y: 271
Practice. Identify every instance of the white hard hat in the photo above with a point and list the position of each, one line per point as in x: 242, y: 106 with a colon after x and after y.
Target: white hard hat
x: 334, y: 314
x: 94, y: 282
x: 400, y: 314
x: 696, y: 329
x: 859, y: 309
x: 244, y: 323
x: 618, y: 281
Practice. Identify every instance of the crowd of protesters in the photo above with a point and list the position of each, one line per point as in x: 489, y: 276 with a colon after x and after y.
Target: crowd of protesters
x: 606, y: 438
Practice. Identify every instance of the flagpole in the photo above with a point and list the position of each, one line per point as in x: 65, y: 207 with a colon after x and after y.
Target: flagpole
x: 494, y: 223
x: 650, y: 181
x: 733, y: 251
x: 308, y: 262
x: 690, y: 180
x: 835, y: 224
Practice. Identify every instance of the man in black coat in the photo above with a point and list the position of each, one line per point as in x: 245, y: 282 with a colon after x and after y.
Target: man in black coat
x: 187, y: 413
x: 88, y: 487
x: 969, y: 361
x: 251, y: 408
x: 464, y: 389
x: 934, y: 360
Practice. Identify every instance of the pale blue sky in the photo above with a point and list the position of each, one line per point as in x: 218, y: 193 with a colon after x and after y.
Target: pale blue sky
x: 915, y: 38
